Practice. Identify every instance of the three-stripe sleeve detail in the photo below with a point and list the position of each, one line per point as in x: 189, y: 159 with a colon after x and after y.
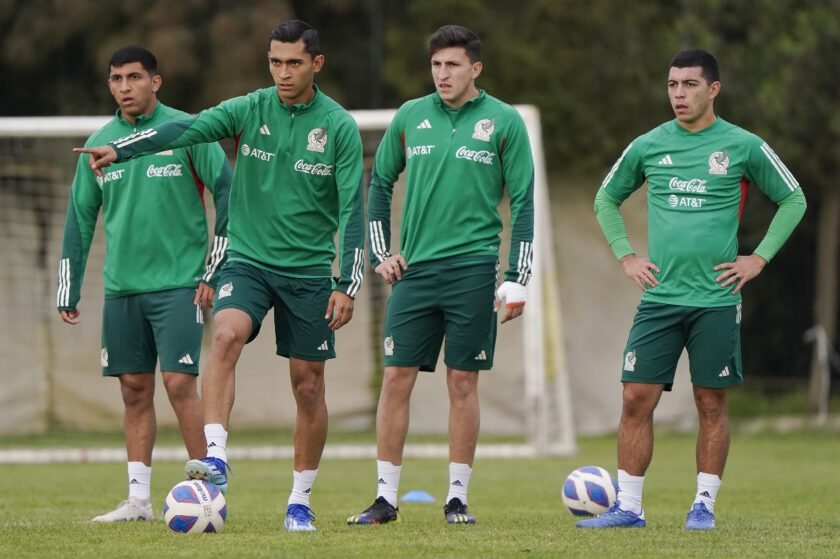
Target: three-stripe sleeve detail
x: 780, y: 167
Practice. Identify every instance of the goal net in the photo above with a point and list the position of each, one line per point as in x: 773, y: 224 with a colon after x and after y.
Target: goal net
x: 50, y: 370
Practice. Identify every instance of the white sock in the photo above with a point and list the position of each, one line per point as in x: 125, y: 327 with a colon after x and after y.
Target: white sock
x: 708, y: 486
x: 216, y: 440
x: 630, y: 491
x: 139, y: 481
x: 302, y: 487
x: 388, y: 481
x: 459, y: 480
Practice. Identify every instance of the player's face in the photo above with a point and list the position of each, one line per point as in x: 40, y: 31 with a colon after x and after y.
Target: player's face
x: 692, y: 97
x: 455, y: 75
x: 293, y: 70
x: 133, y: 89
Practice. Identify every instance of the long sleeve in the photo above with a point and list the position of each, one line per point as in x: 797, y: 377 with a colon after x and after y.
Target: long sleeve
x: 789, y: 214
x: 211, y: 167
x: 209, y: 125
x: 82, y: 211
x: 612, y: 224
x: 518, y: 174
x: 388, y: 164
x: 351, y: 224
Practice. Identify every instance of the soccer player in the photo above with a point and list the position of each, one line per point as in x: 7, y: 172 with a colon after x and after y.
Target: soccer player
x: 296, y: 181
x: 156, y: 279
x: 697, y: 168
x: 460, y: 149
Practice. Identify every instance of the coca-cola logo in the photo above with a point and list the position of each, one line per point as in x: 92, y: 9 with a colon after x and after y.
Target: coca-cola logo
x: 171, y: 170
x: 690, y: 185
x: 320, y: 169
x: 479, y: 156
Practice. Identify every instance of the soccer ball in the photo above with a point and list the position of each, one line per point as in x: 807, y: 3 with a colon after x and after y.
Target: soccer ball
x: 589, y: 490
x: 194, y: 506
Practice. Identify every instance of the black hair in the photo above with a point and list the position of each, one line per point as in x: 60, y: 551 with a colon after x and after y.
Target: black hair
x: 293, y: 31
x: 456, y: 36
x: 690, y: 58
x: 133, y: 53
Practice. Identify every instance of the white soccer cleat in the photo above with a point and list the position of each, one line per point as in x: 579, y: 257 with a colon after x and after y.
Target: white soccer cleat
x: 130, y: 509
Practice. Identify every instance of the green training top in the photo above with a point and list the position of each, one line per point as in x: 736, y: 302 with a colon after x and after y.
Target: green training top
x: 697, y: 185
x: 296, y: 180
x: 153, y: 212
x: 457, y: 163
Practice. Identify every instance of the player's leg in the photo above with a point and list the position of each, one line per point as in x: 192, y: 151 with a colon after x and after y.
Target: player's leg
x: 177, y: 324
x: 413, y: 334
x: 239, y: 306
x: 714, y: 348
x: 304, y: 336
x: 654, y: 345
x: 128, y: 352
x: 470, y: 326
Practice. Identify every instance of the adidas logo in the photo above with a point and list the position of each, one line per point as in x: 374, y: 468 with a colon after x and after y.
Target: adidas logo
x: 186, y: 360
x: 666, y: 160
x: 705, y: 494
x: 211, y: 444
x: 424, y: 124
x: 457, y: 483
x: 381, y: 482
x: 724, y: 372
x: 481, y: 356
x: 134, y: 482
x: 307, y: 491
x: 264, y: 130
x: 324, y: 346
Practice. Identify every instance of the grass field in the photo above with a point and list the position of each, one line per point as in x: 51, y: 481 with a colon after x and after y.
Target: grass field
x: 779, y: 499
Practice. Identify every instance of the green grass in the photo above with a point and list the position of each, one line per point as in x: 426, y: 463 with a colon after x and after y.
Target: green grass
x: 779, y: 499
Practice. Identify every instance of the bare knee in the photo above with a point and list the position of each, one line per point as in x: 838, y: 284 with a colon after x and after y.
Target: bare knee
x: 226, y: 338
x: 180, y: 387
x: 462, y: 385
x: 639, y: 400
x: 308, y: 382
x: 137, y: 389
x: 712, y: 403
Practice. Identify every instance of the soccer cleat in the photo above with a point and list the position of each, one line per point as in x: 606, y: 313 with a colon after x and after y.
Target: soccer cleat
x: 699, y: 518
x: 380, y: 512
x: 212, y: 470
x: 615, y: 517
x: 457, y: 512
x: 299, y: 518
x: 130, y: 509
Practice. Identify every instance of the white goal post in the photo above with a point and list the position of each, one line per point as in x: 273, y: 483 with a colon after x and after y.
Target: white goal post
x: 547, y: 400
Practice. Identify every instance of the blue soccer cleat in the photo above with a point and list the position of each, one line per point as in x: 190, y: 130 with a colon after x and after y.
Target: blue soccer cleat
x: 212, y: 470
x: 615, y: 517
x: 699, y: 518
x: 299, y: 518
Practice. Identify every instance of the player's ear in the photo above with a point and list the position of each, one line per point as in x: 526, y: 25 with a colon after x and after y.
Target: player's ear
x: 157, y: 81
x: 476, y: 69
x: 714, y: 90
x: 318, y: 62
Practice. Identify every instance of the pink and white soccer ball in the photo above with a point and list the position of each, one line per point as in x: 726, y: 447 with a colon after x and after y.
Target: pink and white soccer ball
x: 589, y: 490
x: 195, y: 506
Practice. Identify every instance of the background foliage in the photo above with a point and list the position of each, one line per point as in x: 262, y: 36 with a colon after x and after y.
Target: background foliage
x: 596, y: 70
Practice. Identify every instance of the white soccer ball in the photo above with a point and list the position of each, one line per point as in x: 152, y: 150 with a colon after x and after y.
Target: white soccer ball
x: 589, y: 490
x: 195, y: 506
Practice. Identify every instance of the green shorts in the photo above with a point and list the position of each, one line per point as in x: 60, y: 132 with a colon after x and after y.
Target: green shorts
x: 300, y: 329
x: 438, y: 300
x: 137, y: 329
x: 712, y: 337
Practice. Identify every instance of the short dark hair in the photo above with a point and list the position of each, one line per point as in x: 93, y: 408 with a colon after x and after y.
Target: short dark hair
x: 690, y: 58
x: 293, y: 31
x: 133, y: 53
x: 456, y: 36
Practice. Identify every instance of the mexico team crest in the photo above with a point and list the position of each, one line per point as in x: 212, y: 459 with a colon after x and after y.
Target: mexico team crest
x: 483, y: 129
x: 718, y: 163
x: 316, y: 140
